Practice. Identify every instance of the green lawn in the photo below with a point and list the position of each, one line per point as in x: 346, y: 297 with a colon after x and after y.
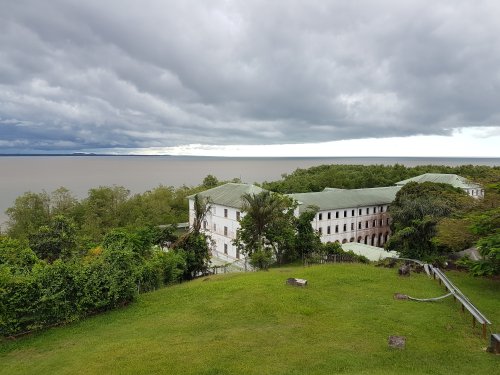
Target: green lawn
x: 255, y: 324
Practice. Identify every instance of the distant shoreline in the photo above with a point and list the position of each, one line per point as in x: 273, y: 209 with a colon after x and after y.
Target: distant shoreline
x: 254, y: 157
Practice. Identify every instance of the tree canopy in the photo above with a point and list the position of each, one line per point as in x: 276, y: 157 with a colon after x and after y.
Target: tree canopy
x: 415, y: 213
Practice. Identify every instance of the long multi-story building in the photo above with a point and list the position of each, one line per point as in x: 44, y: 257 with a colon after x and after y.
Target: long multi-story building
x: 351, y: 215
x: 343, y: 215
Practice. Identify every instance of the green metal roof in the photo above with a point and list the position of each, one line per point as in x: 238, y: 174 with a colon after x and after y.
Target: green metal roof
x: 229, y: 194
x: 442, y: 178
x: 331, y: 199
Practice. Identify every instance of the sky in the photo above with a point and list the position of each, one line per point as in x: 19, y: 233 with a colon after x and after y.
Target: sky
x: 251, y: 77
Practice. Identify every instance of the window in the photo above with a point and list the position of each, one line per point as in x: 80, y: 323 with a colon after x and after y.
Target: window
x: 320, y: 231
x: 381, y: 222
x: 336, y: 228
x: 366, y: 224
x: 359, y: 226
x: 381, y: 208
x: 328, y: 230
x: 345, y: 213
x: 204, y: 224
x: 360, y: 212
x: 329, y: 215
x: 336, y: 215
x: 345, y: 227
x: 320, y: 216
x: 237, y: 253
x: 352, y: 226
x: 238, y: 215
x: 215, y: 227
x: 374, y: 210
x: 352, y: 213
x: 225, y: 212
x: 368, y: 211
x: 225, y: 231
x: 225, y: 248
x: 374, y: 223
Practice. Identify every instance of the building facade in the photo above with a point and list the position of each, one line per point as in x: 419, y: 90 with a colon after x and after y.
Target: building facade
x: 222, y: 220
x: 351, y: 215
x: 343, y: 215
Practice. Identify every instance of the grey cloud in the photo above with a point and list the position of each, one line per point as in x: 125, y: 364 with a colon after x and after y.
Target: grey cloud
x: 122, y: 74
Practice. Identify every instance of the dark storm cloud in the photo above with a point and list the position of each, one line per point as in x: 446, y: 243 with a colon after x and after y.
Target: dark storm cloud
x: 78, y: 75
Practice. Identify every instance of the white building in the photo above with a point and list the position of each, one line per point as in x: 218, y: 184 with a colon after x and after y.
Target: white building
x: 222, y: 221
x: 344, y: 215
x: 351, y: 215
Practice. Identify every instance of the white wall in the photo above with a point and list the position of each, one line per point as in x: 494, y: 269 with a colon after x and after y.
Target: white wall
x: 353, y: 232
x: 216, y: 222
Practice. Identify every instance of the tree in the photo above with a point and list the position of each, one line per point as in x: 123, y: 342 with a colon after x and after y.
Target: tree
x: 201, y: 207
x: 210, y: 181
x: 16, y: 255
x: 104, y: 209
x: 55, y: 240
x: 308, y: 240
x: 62, y: 202
x: 266, y: 228
x: 30, y: 211
x: 489, y: 248
x: 194, y: 244
x: 415, y: 213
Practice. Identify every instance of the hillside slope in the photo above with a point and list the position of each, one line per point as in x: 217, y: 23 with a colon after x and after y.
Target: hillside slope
x: 255, y: 324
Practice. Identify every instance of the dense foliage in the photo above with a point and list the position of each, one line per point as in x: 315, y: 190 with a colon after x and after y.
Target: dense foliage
x: 415, y: 213
x: 267, y: 229
x: 431, y: 224
x: 64, y: 259
x: 367, y: 176
x: 35, y: 294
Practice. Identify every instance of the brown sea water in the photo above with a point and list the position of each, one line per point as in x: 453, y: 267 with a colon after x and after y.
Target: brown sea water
x: 19, y: 174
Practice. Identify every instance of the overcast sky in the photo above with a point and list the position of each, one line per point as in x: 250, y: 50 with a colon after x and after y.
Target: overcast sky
x: 227, y: 77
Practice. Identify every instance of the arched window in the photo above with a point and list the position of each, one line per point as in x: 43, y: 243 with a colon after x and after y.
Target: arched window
x: 359, y: 239
x: 352, y: 239
x: 344, y: 240
x: 373, y: 239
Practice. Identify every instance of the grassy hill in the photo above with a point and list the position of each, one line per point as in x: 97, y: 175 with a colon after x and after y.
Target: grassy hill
x: 255, y: 324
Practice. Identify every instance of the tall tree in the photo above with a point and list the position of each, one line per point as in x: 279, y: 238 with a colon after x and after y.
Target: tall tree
x: 195, y: 245
x: 415, y: 213
x: 266, y: 228
x: 105, y: 209
x: 308, y: 240
x: 30, y: 211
